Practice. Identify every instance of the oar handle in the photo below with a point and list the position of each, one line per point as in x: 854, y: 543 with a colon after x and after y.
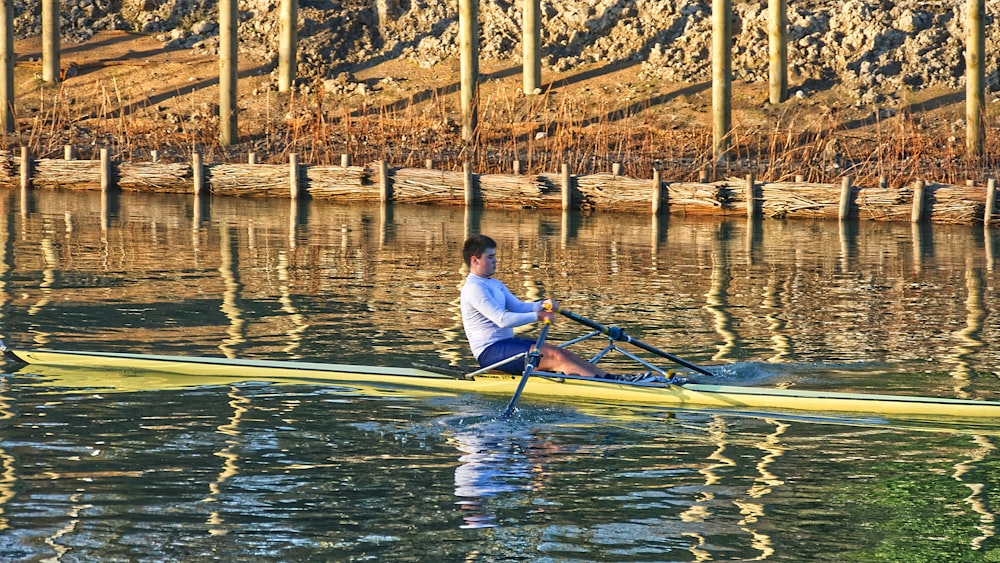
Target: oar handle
x: 534, y: 358
x: 617, y: 333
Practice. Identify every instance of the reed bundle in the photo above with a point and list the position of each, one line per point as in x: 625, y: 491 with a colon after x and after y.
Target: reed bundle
x: 162, y: 177
x: 348, y: 183
x: 72, y: 174
x: 885, y: 204
x: 422, y: 185
x: 249, y: 180
x: 522, y: 191
x: 956, y: 204
x: 614, y: 193
x: 695, y: 197
x: 799, y: 199
x: 9, y: 169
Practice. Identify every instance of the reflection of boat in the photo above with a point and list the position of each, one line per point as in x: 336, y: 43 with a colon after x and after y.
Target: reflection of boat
x: 143, y: 371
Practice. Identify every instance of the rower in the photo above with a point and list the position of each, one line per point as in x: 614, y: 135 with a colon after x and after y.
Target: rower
x: 490, y: 312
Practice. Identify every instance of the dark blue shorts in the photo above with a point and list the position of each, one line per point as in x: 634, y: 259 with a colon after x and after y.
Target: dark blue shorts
x: 499, y: 351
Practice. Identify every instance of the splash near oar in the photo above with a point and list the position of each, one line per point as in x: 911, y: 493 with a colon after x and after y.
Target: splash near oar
x: 534, y: 357
x: 619, y: 334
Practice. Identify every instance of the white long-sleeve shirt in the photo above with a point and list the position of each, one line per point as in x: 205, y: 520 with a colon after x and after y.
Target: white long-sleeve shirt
x: 490, y: 312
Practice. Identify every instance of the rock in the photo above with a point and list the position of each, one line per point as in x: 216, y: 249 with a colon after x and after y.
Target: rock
x: 890, y: 46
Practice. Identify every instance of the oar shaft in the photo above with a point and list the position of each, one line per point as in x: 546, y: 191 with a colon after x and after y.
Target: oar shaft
x: 617, y: 333
x: 534, y: 357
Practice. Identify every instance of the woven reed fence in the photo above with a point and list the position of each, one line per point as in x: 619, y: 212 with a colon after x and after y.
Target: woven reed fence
x: 594, y: 192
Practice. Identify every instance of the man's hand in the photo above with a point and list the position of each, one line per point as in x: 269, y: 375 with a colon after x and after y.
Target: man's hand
x: 548, y: 312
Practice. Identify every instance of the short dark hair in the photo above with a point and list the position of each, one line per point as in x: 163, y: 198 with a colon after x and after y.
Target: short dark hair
x: 476, y: 245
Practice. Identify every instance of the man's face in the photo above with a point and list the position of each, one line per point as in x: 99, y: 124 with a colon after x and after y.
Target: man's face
x: 486, y: 265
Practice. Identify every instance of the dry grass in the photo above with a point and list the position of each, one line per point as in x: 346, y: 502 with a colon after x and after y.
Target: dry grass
x: 591, y: 124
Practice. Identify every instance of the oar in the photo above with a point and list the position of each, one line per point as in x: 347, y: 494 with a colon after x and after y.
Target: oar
x: 534, y: 357
x: 617, y: 333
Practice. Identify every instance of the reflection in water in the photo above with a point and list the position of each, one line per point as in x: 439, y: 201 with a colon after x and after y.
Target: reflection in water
x: 923, y: 245
x: 781, y: 343
x: 484, y: 471
x: 716, y: 297
x: 848, y: 243
x: 969, y: 342
x: 699, y: 511
x: 299, y: 322
x: 978, y: 499
x: 230, y: 456
x: 49, y: 277
x: 8, y: 468
x: 228, y: 269
x: 990, y: 236
x: 763, y: 485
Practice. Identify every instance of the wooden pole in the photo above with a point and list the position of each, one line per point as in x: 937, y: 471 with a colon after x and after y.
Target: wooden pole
x: 345, y: 160
x: 845, y: 198
x: 777, y: 50
x: 197, y: 173
x: 288, y: 22
x: 657, y: 192
x: 69, y: 152
x: 975, y: 79
x: 154, y: 155
x: 467, y: 179
x: 50, y: 41
x: 251, y: 157
x: 567, y: 187
x: 468, y: 35
x: 7, y: 56
x: 25, y: 168
x: 531, y: 41
x: 751, y: 197
x: 616, y: 169
x: 516, y: 169
x: 721, y: 77
x: 106, y: 179
x: 429, y: 164
x: 293, y: 175
x: 918, y: 202
x: 227, y: 71
x: 384, y: 189
x: 991, y: 196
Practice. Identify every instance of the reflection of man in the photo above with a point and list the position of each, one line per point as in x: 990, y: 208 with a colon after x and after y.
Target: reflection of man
x: 490, y: 312
x: 486, y: 469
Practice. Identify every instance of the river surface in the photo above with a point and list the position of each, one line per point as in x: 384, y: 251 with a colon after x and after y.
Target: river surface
x: 250, y: 471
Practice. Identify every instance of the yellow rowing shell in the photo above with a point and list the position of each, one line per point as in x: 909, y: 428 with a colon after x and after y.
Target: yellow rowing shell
x: 137, y: 372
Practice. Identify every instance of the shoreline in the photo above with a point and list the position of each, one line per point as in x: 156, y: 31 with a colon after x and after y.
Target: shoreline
x: 602, y: 192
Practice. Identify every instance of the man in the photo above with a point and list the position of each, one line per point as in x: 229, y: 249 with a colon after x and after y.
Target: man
x: 490, y: 312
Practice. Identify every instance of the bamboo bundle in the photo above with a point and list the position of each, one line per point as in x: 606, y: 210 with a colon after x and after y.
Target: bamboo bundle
x: 783, y: 199
x: 694, y: 197
x: 72, y: 174
x: 340, y: 182
x: 885, y: 204
x: 614, y: 193
x: 422, y: 185
x: 523, y: 191
x: 161, y: 177
x: 248, y: 180
x: 955, y: 204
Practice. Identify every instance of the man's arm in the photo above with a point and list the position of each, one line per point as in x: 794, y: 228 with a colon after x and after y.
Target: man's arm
x: 507, y: 312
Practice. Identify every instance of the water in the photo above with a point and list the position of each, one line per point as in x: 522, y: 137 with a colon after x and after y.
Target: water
x: 146, y: 471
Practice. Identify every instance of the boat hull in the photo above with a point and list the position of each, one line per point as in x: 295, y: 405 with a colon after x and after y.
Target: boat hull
x: 147, y: 372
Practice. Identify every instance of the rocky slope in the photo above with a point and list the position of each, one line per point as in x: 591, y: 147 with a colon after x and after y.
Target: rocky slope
x: 874, y: 49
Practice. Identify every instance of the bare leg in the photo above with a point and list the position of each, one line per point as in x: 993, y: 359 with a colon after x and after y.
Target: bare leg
x: 557, y: 359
